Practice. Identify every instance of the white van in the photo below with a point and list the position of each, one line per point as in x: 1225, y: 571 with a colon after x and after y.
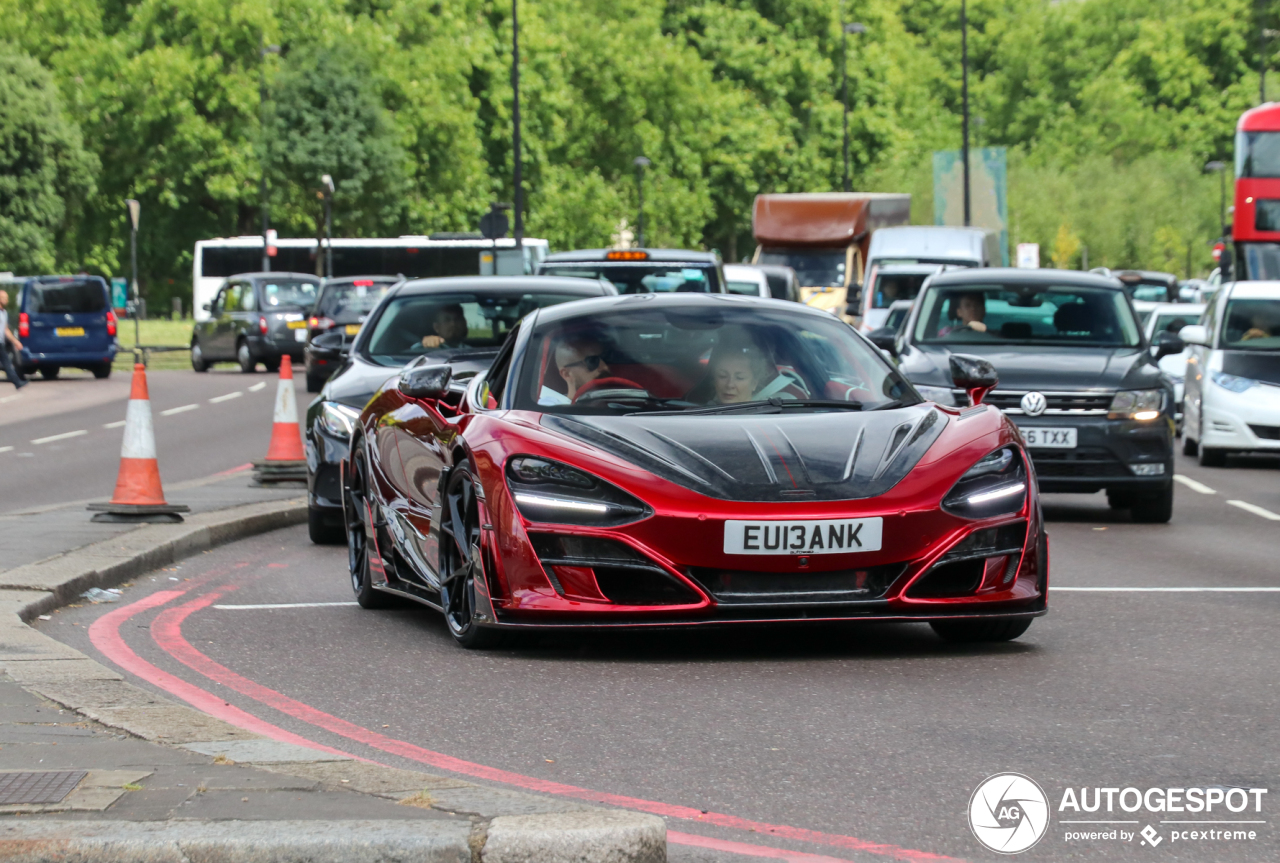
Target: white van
x: 903, y: 257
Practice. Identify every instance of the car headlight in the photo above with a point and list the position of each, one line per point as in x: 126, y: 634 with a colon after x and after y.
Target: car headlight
x: 1233, y: 382
x: 338, y: 420
x: 549, y: 491
x: 1136, y: 405
x: 995, y: 485
x: 941, y: 395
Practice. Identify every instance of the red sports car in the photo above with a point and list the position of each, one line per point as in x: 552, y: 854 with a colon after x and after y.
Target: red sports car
x: 683, y: 460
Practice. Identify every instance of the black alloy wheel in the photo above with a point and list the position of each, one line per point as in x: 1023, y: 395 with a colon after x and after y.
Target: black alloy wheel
x: 976, y: 631
x: 461, y: 563
x: 356, y: 495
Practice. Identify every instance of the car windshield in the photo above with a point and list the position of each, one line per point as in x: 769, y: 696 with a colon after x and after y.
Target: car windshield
x: 895, y: 286
x: 697, y: 358
x: 69, y: 297
x: 813, y: 269
x: 289, y: 293
x: 350, y: 299
x: 750, y: 289
x: 1026, y: 314
x: 416, y: 324
x: 1149, y: 293
x: 644, y: 278
x: 1173, y: 322
x: 1251, y: 325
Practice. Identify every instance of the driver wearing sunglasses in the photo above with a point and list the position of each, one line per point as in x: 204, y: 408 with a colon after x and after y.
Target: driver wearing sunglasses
x: 580, y: 360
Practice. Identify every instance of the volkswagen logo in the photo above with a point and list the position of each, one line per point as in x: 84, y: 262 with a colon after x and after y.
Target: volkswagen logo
x: 1008, y: 812
x: 1033, y: 404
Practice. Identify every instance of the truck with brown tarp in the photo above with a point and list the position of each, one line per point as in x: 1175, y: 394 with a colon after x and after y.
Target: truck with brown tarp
x: 824, y: 237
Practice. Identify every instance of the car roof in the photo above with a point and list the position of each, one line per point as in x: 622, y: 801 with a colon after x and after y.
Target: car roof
x: 745, y: 271
x: 1189, y: 308
x: 1259, y: 290
x: 1145, y: 277
x: 659, y: 255
x: 276, y: 274
x: 910, y: 269
x: 1021, y: 276
x: 45, y: 280
x: 346, y: 280
x: 505, y: 284
x: 641, y: 302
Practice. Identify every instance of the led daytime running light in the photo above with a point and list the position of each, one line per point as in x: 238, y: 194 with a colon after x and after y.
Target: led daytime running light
x: 996, y: 494
x: 559, y: 503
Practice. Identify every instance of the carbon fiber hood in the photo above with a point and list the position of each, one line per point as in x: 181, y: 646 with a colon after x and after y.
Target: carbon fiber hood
x: 768, y: 457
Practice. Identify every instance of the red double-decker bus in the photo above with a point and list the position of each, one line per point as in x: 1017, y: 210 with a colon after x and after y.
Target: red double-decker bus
x: 1255, y: 229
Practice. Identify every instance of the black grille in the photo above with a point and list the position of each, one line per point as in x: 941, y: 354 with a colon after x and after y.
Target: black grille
x: 1006, y: 400
x: 623, y: 575
x: 1083, y: 462
x: 951, y: 579
x: 1266, y: 432
x: 750, y: 588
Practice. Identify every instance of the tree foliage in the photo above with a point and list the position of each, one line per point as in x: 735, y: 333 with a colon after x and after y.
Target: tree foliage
x: 1109, y: 108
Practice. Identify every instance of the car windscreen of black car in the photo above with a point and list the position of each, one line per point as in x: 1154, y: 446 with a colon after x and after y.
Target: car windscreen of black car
x: 1034, y: 314
x: 650, y: 278
x: 72, y: 297
x: 412, y: 325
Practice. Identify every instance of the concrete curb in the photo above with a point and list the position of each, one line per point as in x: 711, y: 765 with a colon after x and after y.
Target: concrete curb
x: 502, y: 826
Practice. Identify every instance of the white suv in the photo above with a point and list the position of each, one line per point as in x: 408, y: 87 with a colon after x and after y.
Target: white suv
x: 1232, y: 401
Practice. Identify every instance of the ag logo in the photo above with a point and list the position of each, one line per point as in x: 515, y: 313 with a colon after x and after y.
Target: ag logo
x: 1008, y: 812
x: 1033, y: 404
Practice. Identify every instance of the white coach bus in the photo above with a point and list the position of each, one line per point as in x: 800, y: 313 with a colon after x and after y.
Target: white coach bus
x: 410, y: 256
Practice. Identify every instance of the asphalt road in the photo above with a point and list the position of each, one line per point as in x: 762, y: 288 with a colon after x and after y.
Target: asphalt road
x: 60, y: 440
x: 852, y: 743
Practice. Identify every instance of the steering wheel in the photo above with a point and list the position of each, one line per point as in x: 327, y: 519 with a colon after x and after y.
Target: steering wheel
x: 609, y: 384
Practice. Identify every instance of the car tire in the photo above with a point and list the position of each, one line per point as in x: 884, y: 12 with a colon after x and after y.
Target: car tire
x: 314, y: 384
x: 357, y: 541
x: 198, y: 362
x: 272, y: 366
x: 102, y: 370
x: 50, y: 373
x: 320, y: 531
x: 1153, y: 508
x: 1189, y: 446
x: 244, y: 357
x: 975, y: 631
x: 1212, y: 457
x: 461, y: 563
x: 1118, y: 500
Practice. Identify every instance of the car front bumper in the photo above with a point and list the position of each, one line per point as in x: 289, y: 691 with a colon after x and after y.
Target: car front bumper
x: 1241, y: 422
x: 325, y: 453
x: 1109, y: 454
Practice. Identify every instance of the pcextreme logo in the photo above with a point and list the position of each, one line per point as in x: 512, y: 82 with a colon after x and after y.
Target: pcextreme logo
x: 1008, y: 813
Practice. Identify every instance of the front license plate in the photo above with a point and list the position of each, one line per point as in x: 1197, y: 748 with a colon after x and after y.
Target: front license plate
x: 352, y: 329
x: 70, y: 331
x: 833, y: 536
x: 299, y: 335
x: 1050, y: 438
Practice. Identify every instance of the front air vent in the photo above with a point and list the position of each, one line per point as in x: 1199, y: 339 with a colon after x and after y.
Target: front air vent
x: 605, y: 570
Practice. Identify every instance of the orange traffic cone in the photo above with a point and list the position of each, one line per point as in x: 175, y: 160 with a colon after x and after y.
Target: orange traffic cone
x: 139, y: 495
x: 286, y: 463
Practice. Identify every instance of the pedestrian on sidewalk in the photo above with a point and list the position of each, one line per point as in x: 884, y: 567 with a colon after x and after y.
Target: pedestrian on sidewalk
x: 8, y: 338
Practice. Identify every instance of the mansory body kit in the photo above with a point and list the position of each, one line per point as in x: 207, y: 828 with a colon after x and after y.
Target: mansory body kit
x: 672, y: 460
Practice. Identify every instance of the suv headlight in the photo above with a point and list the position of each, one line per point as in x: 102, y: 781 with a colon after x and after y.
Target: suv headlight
x: 941, y: 395
x: 995, y: 485
x: 550, y: 491
x: 1136, y: 405
x: 338, y: 420
x: 1233, y: 382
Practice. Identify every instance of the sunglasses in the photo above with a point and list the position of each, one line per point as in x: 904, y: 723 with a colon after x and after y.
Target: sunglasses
x: 590, y: 363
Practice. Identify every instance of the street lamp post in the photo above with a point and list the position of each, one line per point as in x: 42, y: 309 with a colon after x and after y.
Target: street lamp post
x: 135, y: 214
x: 641, y: 163
x: 518, y: 200
x: 964, y: 105
x: 262, y: 133
x: 328, y: 224
x: 845, y: 30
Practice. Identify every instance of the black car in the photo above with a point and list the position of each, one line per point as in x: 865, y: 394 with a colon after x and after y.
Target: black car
x: 342, y: 307
x: 255, y: 318
x: 1076, y: 375
x: 642, y: 271
x: 460, y: 321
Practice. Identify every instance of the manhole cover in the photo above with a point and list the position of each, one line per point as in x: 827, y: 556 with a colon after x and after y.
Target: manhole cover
x: 48, y: 786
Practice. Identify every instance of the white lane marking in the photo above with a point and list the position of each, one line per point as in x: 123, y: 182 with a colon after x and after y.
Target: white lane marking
x: 228, y: 397
x: 261, y: 385
x: 115, y: 425
x: 171, y: 411
x: 64, y: 436
x: 1169, y: 589
x: 1255, y: 509
x: 7, y: 399
x: 6, y: 449
x: 284, y: 605
x: 1193, y: 485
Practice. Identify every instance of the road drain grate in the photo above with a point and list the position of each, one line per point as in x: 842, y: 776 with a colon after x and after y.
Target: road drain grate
x: 48, y: 786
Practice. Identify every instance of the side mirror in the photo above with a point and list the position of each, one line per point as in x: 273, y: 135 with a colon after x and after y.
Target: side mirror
x: 1168, y: 344
x: 328, y: 342
x: 973, y: 374
x: 425, y: 382
x: 886, y: 339
x: 208, y: 307
x: 1194, y: 335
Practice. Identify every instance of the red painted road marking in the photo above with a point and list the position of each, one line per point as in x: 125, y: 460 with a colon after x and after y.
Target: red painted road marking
x: 166, y: 630
x: 241, y: 469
